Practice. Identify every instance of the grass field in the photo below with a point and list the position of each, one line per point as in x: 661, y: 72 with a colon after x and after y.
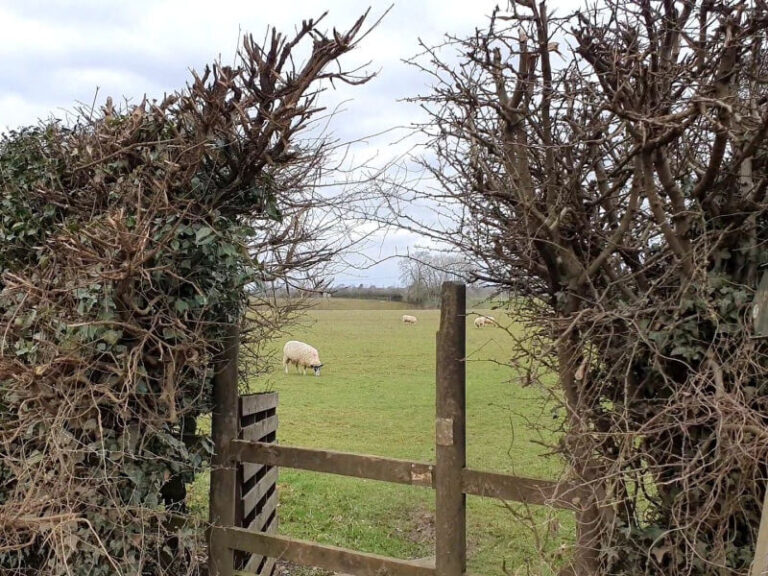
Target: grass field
x: 376, y: 396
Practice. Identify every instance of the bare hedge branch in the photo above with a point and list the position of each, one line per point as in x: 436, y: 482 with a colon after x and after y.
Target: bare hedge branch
x: 127, y: 241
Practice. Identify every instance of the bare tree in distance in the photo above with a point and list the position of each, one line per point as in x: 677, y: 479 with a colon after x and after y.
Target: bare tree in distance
x: 423, y: 272
x: 610, y: 166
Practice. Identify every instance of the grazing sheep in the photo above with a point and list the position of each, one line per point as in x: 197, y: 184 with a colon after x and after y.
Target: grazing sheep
x: 481, y: 321
x: 408, y: 319
x: 303, y: 355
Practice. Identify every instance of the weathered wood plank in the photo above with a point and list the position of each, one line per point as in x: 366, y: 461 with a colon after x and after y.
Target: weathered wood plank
x: 263, y: 515
x: 320, y: 555
x: 255, y: 433
x: 224, y: 429
x: 342, y: 463
x: 253, y: 564
x: 475, y: 482
x: 450, y: 434
x: 258, y: 430
x: 254, y: 403
x: 250, y: 470
x: 519, y: 489
x: 256, y: 493
x: 268, y: 568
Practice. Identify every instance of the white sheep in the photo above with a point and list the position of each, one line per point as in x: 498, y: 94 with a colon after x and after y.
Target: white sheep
x: 301, y: 354
x: 408, y: 319
x: 481, y: 321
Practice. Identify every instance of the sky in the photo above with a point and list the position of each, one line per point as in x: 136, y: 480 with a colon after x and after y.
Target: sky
x: 56, y: 54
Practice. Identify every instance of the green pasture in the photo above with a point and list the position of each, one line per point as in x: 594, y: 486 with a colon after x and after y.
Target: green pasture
x: 356, y: 304
x: 376, y: 396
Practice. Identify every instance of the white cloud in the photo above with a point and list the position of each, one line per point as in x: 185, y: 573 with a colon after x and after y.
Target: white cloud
x: 56, y: 54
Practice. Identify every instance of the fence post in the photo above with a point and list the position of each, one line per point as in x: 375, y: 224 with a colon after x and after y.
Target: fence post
x: 224, y: 429
x: 450, y: 434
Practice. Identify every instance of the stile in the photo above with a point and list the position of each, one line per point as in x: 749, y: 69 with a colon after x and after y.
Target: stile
x: 475, y: 482
x: 259, y: 458
x: 450, y: 434
x: 224, y: 429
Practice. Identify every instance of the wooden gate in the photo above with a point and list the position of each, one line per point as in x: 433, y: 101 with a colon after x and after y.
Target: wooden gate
x: 256, y: 486
x: 448, y: 475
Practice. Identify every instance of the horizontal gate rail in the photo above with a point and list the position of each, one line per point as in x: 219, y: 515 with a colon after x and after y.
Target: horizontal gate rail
x: 342, y: 463
x: 474, y: 482
x: 520, y: 489
x: 319, y: 555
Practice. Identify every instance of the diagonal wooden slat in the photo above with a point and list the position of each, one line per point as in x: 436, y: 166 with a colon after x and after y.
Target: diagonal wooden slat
x: 253, y: 564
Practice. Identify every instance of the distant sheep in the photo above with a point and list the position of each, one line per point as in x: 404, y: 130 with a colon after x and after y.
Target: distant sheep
x: 481, y: 321
x: 408, y: 319
x: 303, y: 355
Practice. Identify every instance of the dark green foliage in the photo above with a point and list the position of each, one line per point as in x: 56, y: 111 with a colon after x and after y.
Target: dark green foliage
x: 114, y: 291
x: 128, y: 242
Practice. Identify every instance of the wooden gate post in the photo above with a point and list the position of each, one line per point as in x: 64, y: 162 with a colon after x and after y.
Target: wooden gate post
x: 450, y: 434
x: 224, y: 429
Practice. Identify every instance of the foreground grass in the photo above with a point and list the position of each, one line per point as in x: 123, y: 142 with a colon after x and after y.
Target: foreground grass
x: 376, y: 396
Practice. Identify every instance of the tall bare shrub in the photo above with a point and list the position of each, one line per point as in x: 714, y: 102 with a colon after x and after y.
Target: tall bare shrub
x: 611, y: 167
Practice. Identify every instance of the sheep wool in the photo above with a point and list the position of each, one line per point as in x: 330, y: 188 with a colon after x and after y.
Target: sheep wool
x: 302, y: 355
x: 481, y: 321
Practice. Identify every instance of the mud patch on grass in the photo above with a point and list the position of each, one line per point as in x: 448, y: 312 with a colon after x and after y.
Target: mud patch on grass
x: 422, y: 527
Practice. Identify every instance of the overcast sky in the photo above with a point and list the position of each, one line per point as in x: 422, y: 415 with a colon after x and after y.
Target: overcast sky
x: 57, y: 53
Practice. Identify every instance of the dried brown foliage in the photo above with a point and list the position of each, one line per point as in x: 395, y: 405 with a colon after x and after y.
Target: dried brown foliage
x: 611, y: 167
x: 128, y: 239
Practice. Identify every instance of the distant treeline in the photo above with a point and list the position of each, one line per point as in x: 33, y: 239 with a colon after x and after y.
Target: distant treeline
x: 391, y: 294
x: 397, y: 294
